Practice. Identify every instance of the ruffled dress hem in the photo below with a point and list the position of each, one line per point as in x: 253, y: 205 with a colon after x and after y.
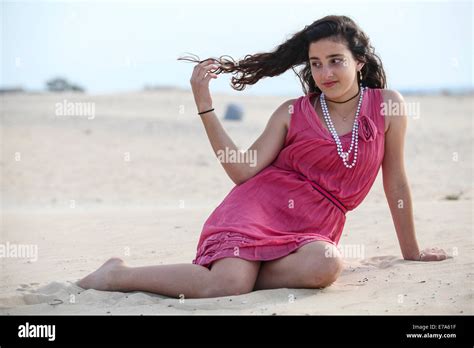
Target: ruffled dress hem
x: 215, y: 251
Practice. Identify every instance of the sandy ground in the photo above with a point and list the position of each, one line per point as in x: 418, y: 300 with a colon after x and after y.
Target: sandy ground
x: 139, y: 179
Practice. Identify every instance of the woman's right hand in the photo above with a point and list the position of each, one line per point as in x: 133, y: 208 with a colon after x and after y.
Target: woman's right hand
x: 200, y: 83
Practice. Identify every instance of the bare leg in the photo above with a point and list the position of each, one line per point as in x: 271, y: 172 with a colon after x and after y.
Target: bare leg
x: 228, y: 276
x: 314, y: 265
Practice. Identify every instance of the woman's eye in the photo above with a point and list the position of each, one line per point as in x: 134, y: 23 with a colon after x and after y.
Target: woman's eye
x: 335, y: 61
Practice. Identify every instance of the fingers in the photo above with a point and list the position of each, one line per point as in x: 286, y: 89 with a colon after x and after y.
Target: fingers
x: 443, y: 254
x: 209, y: 70
x: 201, y: 69
x: 433, y: 254
x: 210, y: 76
x: 440, y: 253
x: 201, y: 76
x: 433, y: 257
x: 439, y: 256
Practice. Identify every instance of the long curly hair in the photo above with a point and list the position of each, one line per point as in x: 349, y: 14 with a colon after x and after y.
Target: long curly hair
x: 293, y: 53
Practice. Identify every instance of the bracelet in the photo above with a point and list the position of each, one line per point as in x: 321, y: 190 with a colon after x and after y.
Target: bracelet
x: 203, y: 112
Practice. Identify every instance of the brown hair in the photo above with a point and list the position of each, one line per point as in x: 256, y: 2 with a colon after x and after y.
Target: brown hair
x: 294, y: 52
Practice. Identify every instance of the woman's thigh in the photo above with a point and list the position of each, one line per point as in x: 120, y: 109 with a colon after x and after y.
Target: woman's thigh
x: 314, y: 265
x: 233, y: 276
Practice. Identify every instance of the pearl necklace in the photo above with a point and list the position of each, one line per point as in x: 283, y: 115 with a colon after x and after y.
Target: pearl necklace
x: 355, y: 128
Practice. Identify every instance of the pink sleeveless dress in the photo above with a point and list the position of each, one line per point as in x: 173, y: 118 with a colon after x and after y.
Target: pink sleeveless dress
x: 303, y: 195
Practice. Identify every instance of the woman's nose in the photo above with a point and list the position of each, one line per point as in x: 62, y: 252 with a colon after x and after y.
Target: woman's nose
x: 327, y: 73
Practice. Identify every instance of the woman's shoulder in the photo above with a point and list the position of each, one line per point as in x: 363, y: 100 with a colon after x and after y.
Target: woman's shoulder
x: 391, y: 94
x: 284, y: 111
x: 389, y: 98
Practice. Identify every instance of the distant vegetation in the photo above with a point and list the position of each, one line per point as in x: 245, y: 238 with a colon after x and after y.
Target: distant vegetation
x: 60, y: 84
x: 11, y: 90
x: 163, y: 88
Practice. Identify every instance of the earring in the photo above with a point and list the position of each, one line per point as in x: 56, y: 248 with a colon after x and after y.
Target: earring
x: 360, y: 75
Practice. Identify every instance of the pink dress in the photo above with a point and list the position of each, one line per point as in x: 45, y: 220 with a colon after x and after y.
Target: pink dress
x: 303, y: 195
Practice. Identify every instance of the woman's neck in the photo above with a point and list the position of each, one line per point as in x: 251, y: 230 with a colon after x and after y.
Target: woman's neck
x: 348, y: 108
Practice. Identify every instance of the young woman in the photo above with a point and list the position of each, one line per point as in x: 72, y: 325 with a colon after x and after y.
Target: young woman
x: 316, y: 160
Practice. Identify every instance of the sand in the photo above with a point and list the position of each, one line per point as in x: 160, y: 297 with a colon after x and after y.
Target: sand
x: 139, y: 179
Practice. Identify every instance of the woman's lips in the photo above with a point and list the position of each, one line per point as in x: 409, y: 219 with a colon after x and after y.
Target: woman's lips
x: 329, y: 84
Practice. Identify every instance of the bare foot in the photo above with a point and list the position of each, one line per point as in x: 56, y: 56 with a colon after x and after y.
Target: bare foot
x: 101, y: 278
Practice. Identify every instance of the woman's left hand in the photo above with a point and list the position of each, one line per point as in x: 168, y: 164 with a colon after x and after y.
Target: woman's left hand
x: 433, y: 254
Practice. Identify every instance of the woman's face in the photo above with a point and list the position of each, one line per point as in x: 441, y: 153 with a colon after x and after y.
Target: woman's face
x: 333, y: 67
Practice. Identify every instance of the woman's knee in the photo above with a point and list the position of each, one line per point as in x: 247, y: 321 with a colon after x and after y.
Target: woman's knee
x: 325, y: 267
x: 330, y: 271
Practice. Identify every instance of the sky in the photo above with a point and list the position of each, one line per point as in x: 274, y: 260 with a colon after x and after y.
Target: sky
x: 119, y: 46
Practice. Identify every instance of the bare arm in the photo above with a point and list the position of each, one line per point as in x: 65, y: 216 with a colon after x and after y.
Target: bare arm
x: 396, y: 186
x: 266, y: 147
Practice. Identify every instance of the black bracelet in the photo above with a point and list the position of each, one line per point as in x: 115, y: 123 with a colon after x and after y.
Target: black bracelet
x: 203, y: 112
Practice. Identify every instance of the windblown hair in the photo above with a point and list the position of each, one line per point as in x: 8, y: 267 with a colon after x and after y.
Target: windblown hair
x: 294, y: 53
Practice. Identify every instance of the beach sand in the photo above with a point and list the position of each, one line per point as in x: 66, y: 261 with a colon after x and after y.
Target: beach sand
x: 139, y: 179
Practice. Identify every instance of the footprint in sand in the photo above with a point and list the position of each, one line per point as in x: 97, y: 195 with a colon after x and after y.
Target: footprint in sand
x: 381, y: 261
